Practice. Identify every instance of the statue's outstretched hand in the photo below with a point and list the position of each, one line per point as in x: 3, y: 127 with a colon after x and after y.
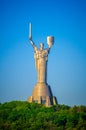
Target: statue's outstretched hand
x: 30, y: 38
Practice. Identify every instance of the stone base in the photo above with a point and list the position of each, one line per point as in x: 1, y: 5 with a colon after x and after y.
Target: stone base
x: 49, y: 101
x: 42, y: 94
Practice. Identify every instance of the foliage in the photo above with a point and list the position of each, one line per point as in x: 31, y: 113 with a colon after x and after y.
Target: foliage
x: 21, y: 115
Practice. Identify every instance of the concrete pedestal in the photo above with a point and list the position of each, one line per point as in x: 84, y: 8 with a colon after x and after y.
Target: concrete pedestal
x: 42, y: 94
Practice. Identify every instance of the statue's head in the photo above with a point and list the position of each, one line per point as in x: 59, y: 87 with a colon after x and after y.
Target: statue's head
x: 41, y: 46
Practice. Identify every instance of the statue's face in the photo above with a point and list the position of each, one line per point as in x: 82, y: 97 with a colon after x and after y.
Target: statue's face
x: 41, y: 46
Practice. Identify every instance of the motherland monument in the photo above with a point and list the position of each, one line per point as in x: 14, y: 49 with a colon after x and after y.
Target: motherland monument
x: 42, y: 93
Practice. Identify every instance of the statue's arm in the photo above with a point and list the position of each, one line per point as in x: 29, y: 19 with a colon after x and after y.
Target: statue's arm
x: 32, y: 43
x: 48, y: 49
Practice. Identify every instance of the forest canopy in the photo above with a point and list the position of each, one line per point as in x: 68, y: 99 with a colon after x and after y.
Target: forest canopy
x: 21, y: 115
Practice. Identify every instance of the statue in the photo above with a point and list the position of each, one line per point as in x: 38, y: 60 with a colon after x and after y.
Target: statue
x: 41, y: 57
x: 41, y: 91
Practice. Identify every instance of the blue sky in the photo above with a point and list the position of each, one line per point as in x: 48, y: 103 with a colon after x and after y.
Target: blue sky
x: 63, y: 19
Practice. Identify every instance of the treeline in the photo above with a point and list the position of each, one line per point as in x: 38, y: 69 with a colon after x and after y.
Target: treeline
x: 21, y: 115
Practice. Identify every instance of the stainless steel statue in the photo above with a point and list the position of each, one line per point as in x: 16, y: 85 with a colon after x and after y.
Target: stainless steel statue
x: 42, y: 92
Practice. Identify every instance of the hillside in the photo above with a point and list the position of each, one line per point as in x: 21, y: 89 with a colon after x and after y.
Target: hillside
x: 21, y: 115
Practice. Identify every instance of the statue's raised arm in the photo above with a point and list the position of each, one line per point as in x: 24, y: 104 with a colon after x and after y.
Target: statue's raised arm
x: 32, y: 43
